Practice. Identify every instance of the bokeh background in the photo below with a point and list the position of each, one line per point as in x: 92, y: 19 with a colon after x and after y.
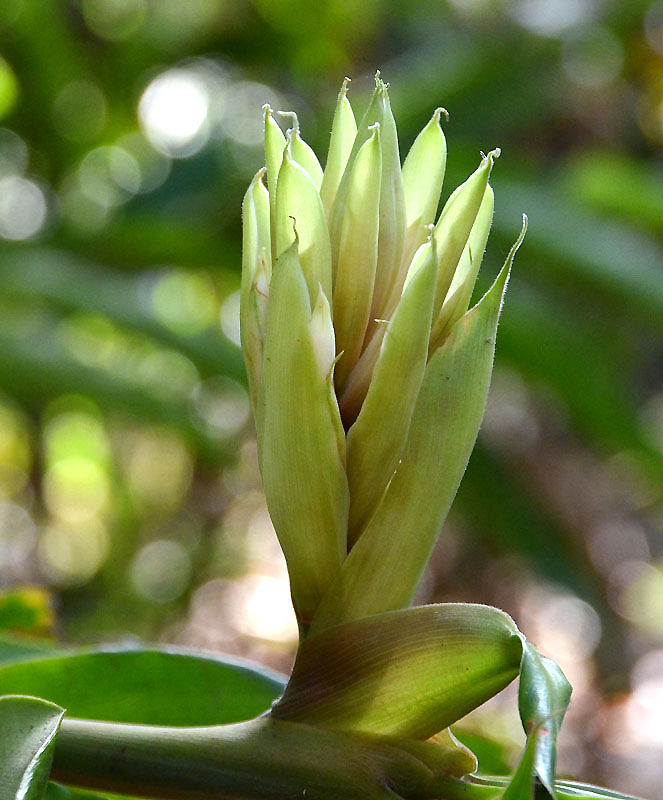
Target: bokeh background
x: 130, y: 502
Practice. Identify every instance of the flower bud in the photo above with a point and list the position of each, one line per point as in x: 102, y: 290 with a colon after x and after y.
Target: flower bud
x: 367, y: 373
x: 355, y: 256
x: 344, y: 130
x: 301, y: 152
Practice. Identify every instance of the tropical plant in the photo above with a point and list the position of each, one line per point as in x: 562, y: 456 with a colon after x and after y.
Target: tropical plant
x: 368, y: 378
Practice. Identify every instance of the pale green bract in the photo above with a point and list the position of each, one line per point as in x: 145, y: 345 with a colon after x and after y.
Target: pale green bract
x: 367, y: 373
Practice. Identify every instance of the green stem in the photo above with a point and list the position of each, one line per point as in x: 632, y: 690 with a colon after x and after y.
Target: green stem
x: 262, y: 758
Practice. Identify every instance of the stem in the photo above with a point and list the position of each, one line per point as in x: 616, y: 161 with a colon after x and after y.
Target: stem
x: 262, y: 758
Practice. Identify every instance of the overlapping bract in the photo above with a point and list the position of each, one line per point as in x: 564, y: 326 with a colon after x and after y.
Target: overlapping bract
x: 368, y: 376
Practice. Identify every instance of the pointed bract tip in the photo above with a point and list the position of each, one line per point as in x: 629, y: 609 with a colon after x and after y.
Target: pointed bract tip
x: 440, y: 111
x: 521, y: 235
x: 267, y: 110
x: 257, y: 178
x: 375, y: 128
x: 431, y: 229
x: 293, y: 116
x: 344, y: 86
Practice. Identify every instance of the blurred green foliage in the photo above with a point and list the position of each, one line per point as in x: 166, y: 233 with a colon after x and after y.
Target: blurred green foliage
x: 127, y: 476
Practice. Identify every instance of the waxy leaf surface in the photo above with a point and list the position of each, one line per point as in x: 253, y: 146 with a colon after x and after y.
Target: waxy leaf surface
x: 374, y: 445
x: 543, y: 696
x: 302, y: 469
x: 444, y: 426
x: 406, y: 673
x: 28, y: 728
x: 158, y: 687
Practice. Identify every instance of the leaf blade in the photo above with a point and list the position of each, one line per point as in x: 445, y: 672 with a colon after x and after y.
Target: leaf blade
x: 446, y: 420
x: 407, y: 673
x: 136, y: 686
x: 28, y: 728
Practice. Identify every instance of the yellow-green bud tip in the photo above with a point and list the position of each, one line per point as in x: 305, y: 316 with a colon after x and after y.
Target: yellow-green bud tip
x: 440, y: 111
x: 293, y: 116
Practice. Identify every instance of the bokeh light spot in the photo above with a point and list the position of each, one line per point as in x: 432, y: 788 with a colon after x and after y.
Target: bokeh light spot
x: 161, y: 571
x: 13, y: 153
x: 185, y: 301
x: 220, y: 406
x: 593, y: 57
x: 158, y: 467
x: 23, y: 208
x: 260, y: 606
x: 75, y: 489
x: 72, y: 555
x: 173, y: 112
x: 552, y: 17
x: 115, y: 20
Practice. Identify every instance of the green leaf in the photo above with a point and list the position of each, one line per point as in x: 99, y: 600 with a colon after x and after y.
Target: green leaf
x: 274, y: 146
x: 423, y: 174
x: 460, y: 290
x: 543, y: 696
x: 256, y: 269
x: 586, y: 791
x: 384, y: 567
x: 354, y: 253
x: 391, y: 236
x: 521, y: 784
x: 157, y: 687
x: 407, y: 673
x: 455, y: 223
x: 15, y: 648
x: 566, y: 790
x: 302, y: 152
x: 376, y: 440
x: 344, y: 130
x: 305, y: 485
x: 391, y: 270
x: 298, y: 200
x: 28, y: 728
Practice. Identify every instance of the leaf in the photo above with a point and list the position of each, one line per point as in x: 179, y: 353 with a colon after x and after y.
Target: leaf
x: 455, y: 223
x: 521, y: 784
x: 28, y: 728
x: 423, y: 174
x: 157, y: 687
x: 384, y: 567
x: 587, y: 791
x: 407, y: 673
x: 15, y: 648
x: 355, y: 252
x: 391, y: 236
x: 297, y: 199
x: 344, y: 130
x: 305, y: 485
x: 376, y: 440
x: 543, y: 696
x: 458, y: 296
